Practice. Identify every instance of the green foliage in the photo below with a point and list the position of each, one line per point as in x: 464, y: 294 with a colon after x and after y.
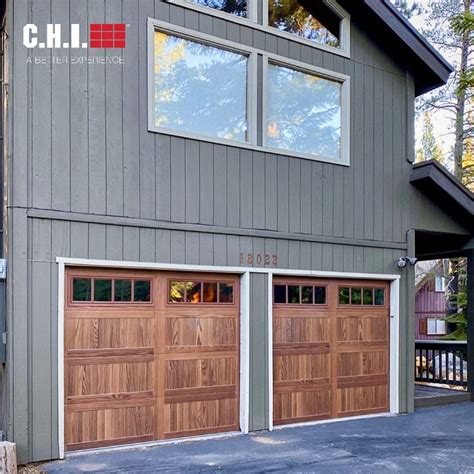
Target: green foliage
x: 429, y: 149
x: 408, y: 8
x: 458, y: 301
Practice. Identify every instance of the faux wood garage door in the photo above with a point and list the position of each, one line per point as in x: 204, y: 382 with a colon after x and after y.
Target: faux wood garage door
x: 149, y: 356
x: 331, y: 349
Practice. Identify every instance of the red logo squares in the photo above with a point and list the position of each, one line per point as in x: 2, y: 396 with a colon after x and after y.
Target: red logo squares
x: 107, y: 35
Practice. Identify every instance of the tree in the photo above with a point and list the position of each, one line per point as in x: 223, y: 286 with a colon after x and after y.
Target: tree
x: 457, y: 304
x: 408, y: 8
x: 447, y: 31
x: 429, y: 149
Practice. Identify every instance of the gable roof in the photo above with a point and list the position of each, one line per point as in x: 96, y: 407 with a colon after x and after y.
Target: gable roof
x: 445, y: 190
x: 429, y: 68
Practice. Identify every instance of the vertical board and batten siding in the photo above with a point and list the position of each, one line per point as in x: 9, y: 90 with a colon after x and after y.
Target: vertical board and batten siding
x: 88, y: 151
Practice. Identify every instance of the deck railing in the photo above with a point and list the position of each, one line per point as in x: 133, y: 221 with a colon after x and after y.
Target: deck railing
x: 441, y: 362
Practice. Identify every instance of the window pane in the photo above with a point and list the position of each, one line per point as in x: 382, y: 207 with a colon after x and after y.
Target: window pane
x: 319, y: 295
x: 304, y: 113
x: 176, y: 292
x: 123, y: 290
x: 356, y: 296
x: 102, y: 290
x: 322, y: 27
x: 141, y: 290
x: 233, y: 7
x: 368, y: 296
x: 441, y: 327
x: 307, y: 294
x: 226, y: 293
x: 279, y: 292
x: 199, y: 88
x: 293, y: 294
x: 379, y: 296
x: 193, y: 292
x: 81, y: 289
x: 431, y: 326
x: 344, y: 294
x: 210, y: 293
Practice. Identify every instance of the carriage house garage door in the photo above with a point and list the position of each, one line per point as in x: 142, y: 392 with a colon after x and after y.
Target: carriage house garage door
x: 330, y: 349
x: 149, y: 356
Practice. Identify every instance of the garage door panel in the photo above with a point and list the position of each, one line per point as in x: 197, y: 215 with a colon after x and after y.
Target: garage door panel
x: 298, y: 406
x: 95, y: 333
x: 301, y: 367
x: 89, y: 429
x: 201, y: 333
x: 362, y: 329
x: 95, y: 379
x: 362, y: 400
x: 362, y: 363
x: 202, y: 372
x: 294, y: 329
x: 199, y: 417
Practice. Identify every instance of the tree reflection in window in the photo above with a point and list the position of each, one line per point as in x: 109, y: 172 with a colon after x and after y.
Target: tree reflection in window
x: 311, y: 20
x: 199, y: 88
x: 234, y: 7
x: 304, y: 112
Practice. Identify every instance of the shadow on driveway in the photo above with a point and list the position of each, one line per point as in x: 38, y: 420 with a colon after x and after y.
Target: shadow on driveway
x: 430, y: 440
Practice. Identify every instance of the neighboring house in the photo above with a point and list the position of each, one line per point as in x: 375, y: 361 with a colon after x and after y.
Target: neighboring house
x: 431, y: 300
x: 204, y: 212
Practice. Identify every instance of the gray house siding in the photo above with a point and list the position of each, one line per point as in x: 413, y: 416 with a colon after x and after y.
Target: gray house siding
x: 87, y: 179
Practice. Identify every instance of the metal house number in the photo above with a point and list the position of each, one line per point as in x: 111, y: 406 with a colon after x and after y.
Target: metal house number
x: 259, y: 259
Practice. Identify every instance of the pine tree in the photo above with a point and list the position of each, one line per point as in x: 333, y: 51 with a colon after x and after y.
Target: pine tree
x: 429, y: 149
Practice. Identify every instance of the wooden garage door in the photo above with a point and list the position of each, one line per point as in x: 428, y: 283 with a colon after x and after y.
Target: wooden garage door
x: 330, y: 349
x: 149, y: 356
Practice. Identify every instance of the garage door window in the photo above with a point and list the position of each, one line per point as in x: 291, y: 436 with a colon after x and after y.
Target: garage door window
x: 195, y: 292
x: 299, y: 294
x: 358, y: 296
x: 110, y: 290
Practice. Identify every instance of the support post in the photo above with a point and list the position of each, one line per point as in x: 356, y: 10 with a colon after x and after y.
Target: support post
x: 470, y: 323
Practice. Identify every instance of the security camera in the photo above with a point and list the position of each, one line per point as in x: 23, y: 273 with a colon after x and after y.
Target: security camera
x: 404, y: 261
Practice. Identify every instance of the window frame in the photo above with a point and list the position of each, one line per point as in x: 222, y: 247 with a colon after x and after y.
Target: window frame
x: 73, y: 303
x: 256, y: 136
x: 442, y: 279
x: 428, y: 333
x: 345, y: 32
x: 251, y: 21
x: 345, y: 81
x: 188, y: 304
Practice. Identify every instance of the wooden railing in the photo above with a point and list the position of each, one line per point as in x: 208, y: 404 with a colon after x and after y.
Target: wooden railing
x: 441, y: 362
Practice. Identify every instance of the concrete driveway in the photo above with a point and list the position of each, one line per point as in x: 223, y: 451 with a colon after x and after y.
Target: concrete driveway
x: 431, y: 440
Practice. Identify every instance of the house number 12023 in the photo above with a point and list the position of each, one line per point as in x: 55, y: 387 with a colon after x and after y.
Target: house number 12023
x: 259, y: 259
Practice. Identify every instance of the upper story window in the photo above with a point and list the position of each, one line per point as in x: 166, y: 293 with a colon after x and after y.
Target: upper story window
x: 312, y: 20
x: 233, y: 7
x: 320, y: 23
x: 211, y: 89
x: 199, y: 88
x: 304, y: 112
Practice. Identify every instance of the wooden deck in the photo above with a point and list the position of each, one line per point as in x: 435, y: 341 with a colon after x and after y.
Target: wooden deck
x: 426, y: 395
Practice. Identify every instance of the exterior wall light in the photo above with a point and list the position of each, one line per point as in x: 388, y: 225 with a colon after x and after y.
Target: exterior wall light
x: 404, y: 261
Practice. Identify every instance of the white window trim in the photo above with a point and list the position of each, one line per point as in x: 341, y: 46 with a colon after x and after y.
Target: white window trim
x: 252, y: 95
x: 436, y: 333
x: 251, y: 22
x: 443, y: 284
